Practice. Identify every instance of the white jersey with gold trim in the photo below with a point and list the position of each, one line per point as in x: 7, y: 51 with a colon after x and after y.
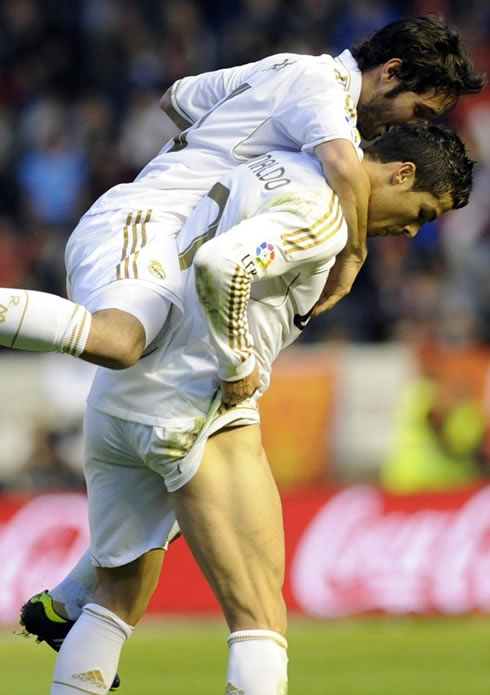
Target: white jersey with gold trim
x: 256, y: 253
x: 193, y: 96
x: 284, y: 102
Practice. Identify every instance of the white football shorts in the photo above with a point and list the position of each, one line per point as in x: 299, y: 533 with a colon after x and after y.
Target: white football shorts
x: 136, y: 247
x: 129, y: 478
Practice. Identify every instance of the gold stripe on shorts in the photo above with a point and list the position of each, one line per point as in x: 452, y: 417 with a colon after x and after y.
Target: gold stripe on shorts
x: 134, y: 239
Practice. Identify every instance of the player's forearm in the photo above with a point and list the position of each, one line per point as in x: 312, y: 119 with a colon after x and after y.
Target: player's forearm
x: 223, y: 291
x: 346, y: 176
x: 353, y: 197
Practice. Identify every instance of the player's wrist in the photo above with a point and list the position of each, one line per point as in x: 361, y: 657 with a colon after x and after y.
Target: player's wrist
x: 235, y: 372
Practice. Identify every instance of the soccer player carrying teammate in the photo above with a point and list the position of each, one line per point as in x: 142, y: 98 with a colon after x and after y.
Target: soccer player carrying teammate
x: 160, y: 443
x: 123, y: 270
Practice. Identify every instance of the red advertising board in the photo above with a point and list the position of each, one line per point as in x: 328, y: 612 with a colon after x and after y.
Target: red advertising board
x: 350, y: 551
x: 362, y: 551
x: 41, y: 538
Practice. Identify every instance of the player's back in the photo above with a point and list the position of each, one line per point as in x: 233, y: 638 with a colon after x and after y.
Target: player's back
x: 283, y: 102
x: 289, y: 189
x: 177, y: 380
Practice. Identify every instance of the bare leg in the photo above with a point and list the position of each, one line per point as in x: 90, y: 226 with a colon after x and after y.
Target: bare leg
x: 89, y: 656
x: 230, y: 514
x: 127, y: 590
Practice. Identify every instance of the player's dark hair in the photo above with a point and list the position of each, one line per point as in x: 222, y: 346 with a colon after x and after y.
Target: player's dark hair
x: 442, y: 165
x: 433, y: 57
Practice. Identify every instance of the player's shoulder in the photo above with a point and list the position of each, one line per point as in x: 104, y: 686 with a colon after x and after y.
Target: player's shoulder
x: 284, y: 63
x: 281, y: 170
x: 297, y: 193
x: 281, y: 182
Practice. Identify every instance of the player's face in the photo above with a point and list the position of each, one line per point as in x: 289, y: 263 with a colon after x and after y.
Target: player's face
x: 394, y: 210
x: 382, y: 110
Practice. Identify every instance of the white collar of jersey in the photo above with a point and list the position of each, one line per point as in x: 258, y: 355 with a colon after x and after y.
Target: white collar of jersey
x: 348, y: 66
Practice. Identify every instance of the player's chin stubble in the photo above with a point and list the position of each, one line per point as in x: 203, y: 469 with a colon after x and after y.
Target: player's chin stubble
x: 366, y: 123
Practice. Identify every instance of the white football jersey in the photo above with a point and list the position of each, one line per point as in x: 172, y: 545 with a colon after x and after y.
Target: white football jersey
x: 283, y: 102
x: 255, y: 253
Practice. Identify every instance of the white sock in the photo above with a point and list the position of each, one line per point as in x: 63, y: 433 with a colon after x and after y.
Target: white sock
x: 77, y: 588
x: 88, y: 659
x: 258, y: 663
x: 42, y: 322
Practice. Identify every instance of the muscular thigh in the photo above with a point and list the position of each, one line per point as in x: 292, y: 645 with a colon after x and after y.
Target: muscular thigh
x: 230, y: 514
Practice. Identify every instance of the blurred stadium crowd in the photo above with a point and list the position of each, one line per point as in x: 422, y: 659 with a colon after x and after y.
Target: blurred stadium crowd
x: 79, y: 88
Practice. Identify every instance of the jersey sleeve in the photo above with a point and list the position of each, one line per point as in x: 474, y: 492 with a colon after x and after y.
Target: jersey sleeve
x: 318, y: 108
x: 288, y: 235
x: 192, y: 97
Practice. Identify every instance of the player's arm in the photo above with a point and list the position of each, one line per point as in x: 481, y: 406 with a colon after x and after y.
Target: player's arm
x: 319, y: 113
x: 346, y: 176
x: 265, y: 246
x: 177, y: 118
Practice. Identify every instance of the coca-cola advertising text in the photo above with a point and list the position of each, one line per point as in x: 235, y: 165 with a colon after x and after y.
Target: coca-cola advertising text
x: 351, y: 551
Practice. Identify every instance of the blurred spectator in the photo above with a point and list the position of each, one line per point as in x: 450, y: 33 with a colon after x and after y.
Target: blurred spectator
x: 15, y: 256
x: 79, y: 90
x: 52, y: 171
x: 144, y: 131
x: 466, y: 241
x: 189, y: 45
x: 258, y: 28
x: 45, y: 468
x: 356, y: 19
x: 438, y: 440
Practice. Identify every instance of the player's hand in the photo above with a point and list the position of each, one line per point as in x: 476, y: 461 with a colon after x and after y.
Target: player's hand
x: 236, y: 391
x: 340, y: 279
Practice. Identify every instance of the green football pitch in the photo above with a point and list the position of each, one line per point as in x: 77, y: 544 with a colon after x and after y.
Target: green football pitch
x: 370, y: 656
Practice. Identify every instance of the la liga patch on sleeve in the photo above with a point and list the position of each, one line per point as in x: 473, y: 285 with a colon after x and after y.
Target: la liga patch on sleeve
x: 265, y: 254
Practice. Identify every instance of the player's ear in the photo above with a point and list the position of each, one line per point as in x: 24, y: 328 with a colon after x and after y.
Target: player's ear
x: 391, y: 70
x: 404, y: 174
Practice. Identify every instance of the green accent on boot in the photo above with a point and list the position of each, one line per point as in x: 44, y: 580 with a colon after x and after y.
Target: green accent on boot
x: 47, y: 602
